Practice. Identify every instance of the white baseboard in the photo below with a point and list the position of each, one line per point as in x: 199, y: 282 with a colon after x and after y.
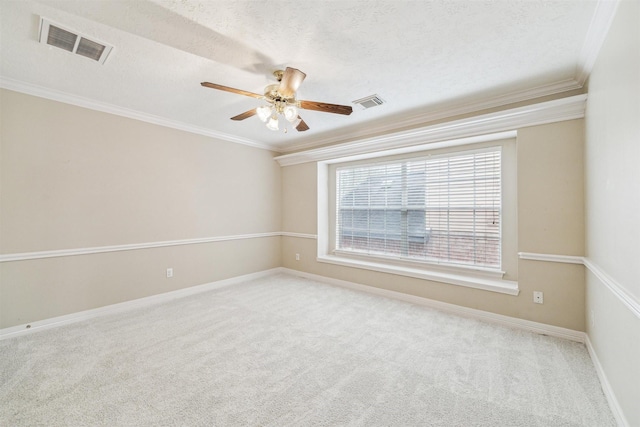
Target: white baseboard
x: 606, y: 387
x: 508, y: 321
x: 528, y: 325
x: 53, y: 322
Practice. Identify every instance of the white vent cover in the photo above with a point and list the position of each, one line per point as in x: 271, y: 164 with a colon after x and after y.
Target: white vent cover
x: 369, y: 102
x: 71, y: 41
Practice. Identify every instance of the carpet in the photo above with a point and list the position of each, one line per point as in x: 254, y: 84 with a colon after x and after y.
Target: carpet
x: 287, y: 351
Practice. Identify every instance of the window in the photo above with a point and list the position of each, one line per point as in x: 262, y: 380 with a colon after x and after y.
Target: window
x: 443, y: 209
x: 443, y: 212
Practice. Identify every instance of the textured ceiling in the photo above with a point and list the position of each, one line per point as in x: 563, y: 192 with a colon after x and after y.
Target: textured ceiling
x: 419, y: 56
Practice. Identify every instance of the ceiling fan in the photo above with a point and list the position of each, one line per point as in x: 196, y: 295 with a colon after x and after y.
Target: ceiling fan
x: 281, y: 101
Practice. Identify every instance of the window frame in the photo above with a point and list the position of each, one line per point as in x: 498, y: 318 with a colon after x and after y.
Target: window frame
x: 405, y: 208
x: 502, y: 280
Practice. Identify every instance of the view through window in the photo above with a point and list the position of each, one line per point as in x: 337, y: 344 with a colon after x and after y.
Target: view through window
x: 443, y: 209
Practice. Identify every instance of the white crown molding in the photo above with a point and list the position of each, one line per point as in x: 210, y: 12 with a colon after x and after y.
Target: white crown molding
x: 603, y: 16
x: 130, y: 247
x: 344, y: 137
x: 596, y: 35
x: 598, y: 28
x: 614, y: 405
x: 566, y: 259
x: 444, y: 113
x: 405, y: 149
x: 53, y: 322
x: 512, y: 322
x: 531, y: 115
x: 66, y: 98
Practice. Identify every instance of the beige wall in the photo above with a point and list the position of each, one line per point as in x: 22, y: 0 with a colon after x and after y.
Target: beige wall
x: 612, y: 164
x: 75, y: 178
x: 550, y: 212
x: 551, y: 189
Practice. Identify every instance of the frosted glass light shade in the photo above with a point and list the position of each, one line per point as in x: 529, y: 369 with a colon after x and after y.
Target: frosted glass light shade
x: 290, y: 113
x: 273, y: 123
x: 263, y: 112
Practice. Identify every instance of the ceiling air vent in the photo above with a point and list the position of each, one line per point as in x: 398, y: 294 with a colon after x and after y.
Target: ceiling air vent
x: 369, y: 102
x: 71, y: 41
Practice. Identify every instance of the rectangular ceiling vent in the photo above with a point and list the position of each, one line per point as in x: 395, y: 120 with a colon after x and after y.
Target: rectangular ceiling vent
x: 71, y: 41
x: 369, y: 102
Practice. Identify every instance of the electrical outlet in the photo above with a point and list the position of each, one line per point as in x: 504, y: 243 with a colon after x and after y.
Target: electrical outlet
x: 297, y: 257
x: 538, y: 297
x: 169, y: 272
x: 593, y: 318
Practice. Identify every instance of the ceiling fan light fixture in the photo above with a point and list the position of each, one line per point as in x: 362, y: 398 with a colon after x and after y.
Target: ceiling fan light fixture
x: 290, y: 113
x: 272, y: 124
x: 263, y: 112
x: 281, y: 101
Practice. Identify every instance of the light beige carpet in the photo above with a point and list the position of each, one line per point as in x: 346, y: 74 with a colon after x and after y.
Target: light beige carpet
x: 285, y: 351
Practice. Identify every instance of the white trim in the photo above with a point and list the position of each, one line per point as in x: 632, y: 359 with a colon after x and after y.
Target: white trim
x: 432, y: 265
x: 616, y: 410
x: 494, y: 137
x: 531, y: 115
x: 627, y: 299
x: 413, y: 120
x: 67, y: 98
x: 513, y: 322
x: 507, y: 321
x: 596, y: 35
x: 135, y: 246
x: 53, y: 322
x: 301, y: 235
x: 508, y: 287
x: 528, y: 325
x: 566, y: 259
x: 618, y: 290
x: 410, y: 121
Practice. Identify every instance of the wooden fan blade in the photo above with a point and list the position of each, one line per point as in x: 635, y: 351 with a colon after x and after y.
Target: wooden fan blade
x: 232, y: 90
x: 244, y: 115
x: 302, y: 126
x: 291, y: 80
x: 327, y: 108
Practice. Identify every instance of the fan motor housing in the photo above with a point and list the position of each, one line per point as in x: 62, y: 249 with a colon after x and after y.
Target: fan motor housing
x: 272, y: 94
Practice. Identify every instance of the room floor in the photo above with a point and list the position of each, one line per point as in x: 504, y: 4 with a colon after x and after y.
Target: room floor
x: 287, y: 351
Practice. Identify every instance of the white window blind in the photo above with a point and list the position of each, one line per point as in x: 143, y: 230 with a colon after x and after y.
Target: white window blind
x: 444, y: 209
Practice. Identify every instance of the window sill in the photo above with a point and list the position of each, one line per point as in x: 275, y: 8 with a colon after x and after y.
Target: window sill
x: 508, y: 287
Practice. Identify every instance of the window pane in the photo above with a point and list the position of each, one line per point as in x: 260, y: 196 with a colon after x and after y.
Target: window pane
x: 444, y: 209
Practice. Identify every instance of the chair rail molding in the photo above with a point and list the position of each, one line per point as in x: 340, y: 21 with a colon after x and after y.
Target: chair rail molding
x: 24, y: 256
x: 614, y: 287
